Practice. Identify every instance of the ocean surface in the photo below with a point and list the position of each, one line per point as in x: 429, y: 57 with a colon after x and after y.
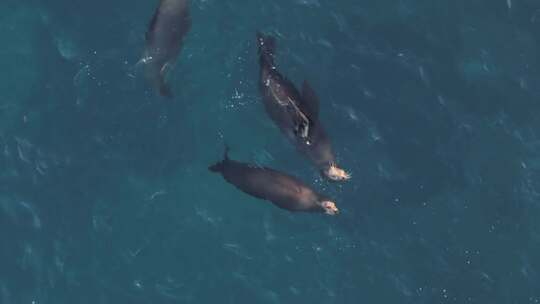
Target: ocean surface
x: 433, y: 106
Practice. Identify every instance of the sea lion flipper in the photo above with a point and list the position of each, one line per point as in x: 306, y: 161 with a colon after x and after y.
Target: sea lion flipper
x: 165, y: 69
x: 219, y: 166
x: 164, y: 88
x: 310, y: 101
x: 151, y: 26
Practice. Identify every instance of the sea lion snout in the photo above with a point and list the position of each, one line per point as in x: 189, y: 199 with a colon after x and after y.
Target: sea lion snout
x: 329, y: 207
x: 334, y: 173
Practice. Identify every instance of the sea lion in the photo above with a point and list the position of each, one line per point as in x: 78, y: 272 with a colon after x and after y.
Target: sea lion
x: 296, y: 114
x: 168, y: 27
x: 284, y: 191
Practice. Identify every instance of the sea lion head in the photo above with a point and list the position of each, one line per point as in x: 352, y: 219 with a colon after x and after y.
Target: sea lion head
x: 334, y: 173
x: 329, y: 207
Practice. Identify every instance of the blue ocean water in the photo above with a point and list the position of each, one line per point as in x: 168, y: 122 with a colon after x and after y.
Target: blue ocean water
x: 105, y: 196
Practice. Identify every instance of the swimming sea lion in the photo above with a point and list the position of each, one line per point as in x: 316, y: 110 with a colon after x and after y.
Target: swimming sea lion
x: 295, y: 113
x: 170, y: 23
x: 284, y: 191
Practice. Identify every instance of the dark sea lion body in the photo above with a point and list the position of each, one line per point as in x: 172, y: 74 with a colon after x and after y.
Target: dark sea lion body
x: 168, y: 27
x: 296, y: 114
x: 284, y: 191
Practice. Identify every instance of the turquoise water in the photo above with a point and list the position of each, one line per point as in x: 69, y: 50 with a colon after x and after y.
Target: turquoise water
x: 432, y: 105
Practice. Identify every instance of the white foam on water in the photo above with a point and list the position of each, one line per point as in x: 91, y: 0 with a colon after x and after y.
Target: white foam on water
x: 5, y: 295
x: 269, y: 235
x: 66, y: 47
x: 237, y: 250
x: 314, y: 3
x: 23, y: 149
x: 36, y: 221
x: 206, y: 217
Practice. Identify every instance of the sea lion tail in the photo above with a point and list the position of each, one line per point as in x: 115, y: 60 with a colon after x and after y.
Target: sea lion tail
x: 218, y: 167
x: 267, y: 48
x: 165, y: 89
x: 226, y: 152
